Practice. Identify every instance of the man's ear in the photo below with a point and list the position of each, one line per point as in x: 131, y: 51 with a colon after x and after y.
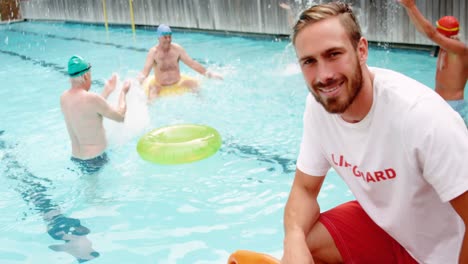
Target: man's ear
x: 363, y: 50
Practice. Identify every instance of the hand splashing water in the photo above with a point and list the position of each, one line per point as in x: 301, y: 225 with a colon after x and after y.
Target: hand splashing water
x: 137, y: 118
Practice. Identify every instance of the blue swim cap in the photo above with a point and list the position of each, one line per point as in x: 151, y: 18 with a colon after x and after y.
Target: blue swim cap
x: 164, y: 30
x: 77, y: 66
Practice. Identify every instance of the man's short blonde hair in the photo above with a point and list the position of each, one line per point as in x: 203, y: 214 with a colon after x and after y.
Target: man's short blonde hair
x: 336, y: 9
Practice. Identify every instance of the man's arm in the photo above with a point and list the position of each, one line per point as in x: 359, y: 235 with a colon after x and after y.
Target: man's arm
x: 460, y: 204
x: 104, y: 109
x: 148, y: 65
x: 288, y: 9
x: 301, y: 213
x: 425, y: 27
x: 185, y: 58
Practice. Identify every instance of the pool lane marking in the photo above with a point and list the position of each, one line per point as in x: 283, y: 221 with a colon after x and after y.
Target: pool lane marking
x: 34, y: 192
x: 118, y: 46
x: 81, y: 40
x: 287, y: 165
x: 45, y: 64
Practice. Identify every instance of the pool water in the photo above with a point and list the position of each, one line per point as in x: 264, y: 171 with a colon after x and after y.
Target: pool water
x: 136, y: 211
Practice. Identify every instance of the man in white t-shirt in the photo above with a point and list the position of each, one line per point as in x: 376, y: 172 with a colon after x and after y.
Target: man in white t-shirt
x: 402, y: 151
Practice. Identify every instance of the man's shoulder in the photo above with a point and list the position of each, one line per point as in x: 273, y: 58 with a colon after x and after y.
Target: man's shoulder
x: 396, y: 82
x: 93, y: 96
x: 65, y: 93
x: 72, y: 93
x: 85, y: 96
x: 153, y: 49
x: 64, y: 96
x: 176, y: 47
x: 399, y: 94
x: 80, y: 98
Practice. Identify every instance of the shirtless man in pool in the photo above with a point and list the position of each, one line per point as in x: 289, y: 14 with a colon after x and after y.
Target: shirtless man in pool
x: 452, y: 64
x: 83, y: 112
x: 164, y: 60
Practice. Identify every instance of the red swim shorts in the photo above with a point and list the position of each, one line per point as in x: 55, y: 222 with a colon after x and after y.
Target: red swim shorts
x: 359, y: 239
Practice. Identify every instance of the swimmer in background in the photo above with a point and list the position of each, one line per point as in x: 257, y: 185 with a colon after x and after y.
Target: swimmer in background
x: 452, y: 62
x: 164, y: 60
x: 83, y: 112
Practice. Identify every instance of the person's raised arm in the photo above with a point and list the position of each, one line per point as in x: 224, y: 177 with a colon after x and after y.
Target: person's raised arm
x: 301, y: 213
x: 425, y: 27
x: 185, y: 58
x: 104, y: 109
x: 288, y: 9
x: 460, y: 204
x: 148, y: 65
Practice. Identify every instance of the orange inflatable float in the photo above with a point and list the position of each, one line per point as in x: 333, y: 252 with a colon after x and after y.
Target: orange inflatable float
x: 251, y: 257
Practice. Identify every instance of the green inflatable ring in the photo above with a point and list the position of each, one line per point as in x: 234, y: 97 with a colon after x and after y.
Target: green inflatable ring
x: 179, y: 144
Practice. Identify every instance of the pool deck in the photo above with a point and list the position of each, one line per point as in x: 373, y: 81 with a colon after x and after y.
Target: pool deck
x: 11, y: 21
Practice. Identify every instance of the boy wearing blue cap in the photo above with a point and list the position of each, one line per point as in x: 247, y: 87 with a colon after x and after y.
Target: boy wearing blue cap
x: 164, y: 60
x: 83, y: 111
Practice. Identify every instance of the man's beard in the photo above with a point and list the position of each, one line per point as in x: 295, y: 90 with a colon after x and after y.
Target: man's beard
x: 336, y: 105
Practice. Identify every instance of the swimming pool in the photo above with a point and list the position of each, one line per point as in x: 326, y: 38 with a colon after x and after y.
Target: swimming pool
x: 139, y: 212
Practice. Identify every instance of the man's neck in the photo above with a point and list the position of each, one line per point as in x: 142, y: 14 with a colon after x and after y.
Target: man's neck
x: 79, y: 88
x: 165, y: 47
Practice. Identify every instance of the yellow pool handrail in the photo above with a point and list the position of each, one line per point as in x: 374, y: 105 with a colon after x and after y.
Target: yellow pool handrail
x: 130, y: 2
x: 104, y: 11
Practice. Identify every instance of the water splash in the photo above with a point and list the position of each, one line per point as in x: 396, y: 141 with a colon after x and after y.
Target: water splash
x: 287, y: 62
x: 137, y: 117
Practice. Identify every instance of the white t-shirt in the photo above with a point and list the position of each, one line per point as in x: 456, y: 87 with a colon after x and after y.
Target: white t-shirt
x: 403, y: 162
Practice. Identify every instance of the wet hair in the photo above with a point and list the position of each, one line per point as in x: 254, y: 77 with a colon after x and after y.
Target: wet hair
x: 341, y: 10
x: 79, y: 80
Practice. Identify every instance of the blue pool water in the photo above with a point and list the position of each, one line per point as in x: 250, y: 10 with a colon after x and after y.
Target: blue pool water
x: 138, y: 212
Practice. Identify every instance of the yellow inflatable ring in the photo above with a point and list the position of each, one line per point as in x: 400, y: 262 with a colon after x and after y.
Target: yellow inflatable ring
x: 179, y: 144
x: 174, y: 89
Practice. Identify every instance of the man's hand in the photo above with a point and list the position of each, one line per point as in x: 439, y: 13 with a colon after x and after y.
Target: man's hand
x: 407, y: 3
x: 126, y: 86
x: 296, y: 250
x: 110, y: 85
x: 141, y: 78
x: 213, y: 75
x: 285, y: 6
